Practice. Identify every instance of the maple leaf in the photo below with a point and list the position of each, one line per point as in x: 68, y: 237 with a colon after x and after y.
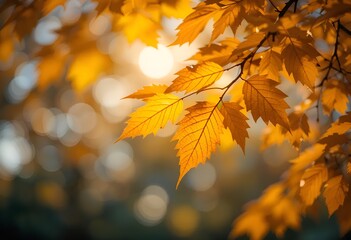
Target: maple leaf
x: 334, y: 193
x: 235, y: 121
x: 266, y: 101
x: 300, y: 67
x: 148, y: 91
x: 335, y: 96
x: 159, y: 109
x: 195, y: 23
x: 197, y: 77
x: 311, y: 183
x: 198, y: 135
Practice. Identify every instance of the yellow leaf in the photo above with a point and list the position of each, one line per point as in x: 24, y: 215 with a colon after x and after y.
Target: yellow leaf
x: 340, y: 127
x: 236, y: 122
x: 149, y: 118
x: 198, y: 135
x: 148, y: 91
x: 176, y: 9
x: 311, y: 183
x: 137, y: 26
x: 334, y: 96
x: 334, y: 193
x: 253, y: 223
x: 196, y: 77
x: 195, y: 23
x: 307, y: 157
x: 232, y: 16
x: 271, y: 64
x: 301, y: 68
x: 218, y: 53
x: 265, y: 100
x: 86, y: 68
x: 250, y: 42
x: 286, y: 213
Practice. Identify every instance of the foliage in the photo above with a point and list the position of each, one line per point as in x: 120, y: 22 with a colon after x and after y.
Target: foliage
x: 303, y: 42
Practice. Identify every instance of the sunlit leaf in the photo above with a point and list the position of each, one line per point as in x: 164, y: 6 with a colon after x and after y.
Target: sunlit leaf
x: 334, y: 193
x: 265, y: 100
x: 311, y: 183
x: 196, y: 77
x: 154, y: 115
x: 236, y: 122
x: 148, y: 91
x: 198, y: 135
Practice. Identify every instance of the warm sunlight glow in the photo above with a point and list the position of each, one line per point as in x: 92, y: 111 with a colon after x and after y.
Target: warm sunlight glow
x: 156, y: 63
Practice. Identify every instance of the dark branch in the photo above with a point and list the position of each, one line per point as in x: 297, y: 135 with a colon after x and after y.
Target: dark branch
x: 346, y: 30
x: 286, y: 7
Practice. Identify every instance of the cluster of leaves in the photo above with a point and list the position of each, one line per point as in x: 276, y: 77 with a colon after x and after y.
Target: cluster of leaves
x: 301, y: 41
x: 283, y: 41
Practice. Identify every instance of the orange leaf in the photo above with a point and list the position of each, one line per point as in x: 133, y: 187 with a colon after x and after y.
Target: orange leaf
x: 334, y: 193
x: 335, y: 96
x: 265, y: 100
x: 197, y: 77
x: 148, y: 91
x: 271, y: 64
x: 307, y: 157
x: 311, y: 183
x: 195, y: 23
x: 198, y: 135
x: 236, y: 122
x: 299, y: 66
x: 232, y: 16
x: 149, y: 118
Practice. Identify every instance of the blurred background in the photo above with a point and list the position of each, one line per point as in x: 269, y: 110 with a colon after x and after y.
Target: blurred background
x: 63, y: 176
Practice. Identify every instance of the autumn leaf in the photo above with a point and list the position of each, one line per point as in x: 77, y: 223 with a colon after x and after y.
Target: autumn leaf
x: 334, y: 193
x: 86, y: 67
x: 250, y: 42
x: 335, y: 96
x: 266, y: 101
x: 301, y: 68
x: 255, y: 224
x: 198, y: 135
x: 311, y: 183
x: 148, y: 91
x: 271, y: 64
x: 159, y: 109
x: 236, y: 122
x: 307, y: 157
x: 232, y: 16
x: 196, y: 77
x: 195, y: 23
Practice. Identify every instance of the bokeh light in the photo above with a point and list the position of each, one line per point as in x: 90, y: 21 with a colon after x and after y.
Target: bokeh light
x: 156, y: 62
